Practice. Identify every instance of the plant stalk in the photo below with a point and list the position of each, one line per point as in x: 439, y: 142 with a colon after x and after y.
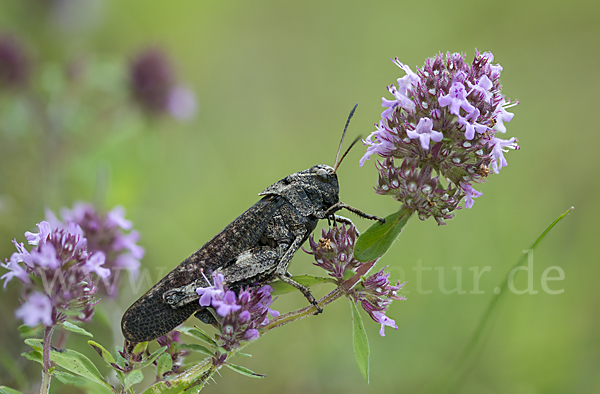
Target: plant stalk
x: 46, y: 377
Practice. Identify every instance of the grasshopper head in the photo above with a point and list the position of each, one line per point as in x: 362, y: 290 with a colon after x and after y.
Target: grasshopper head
x: 324, y: 179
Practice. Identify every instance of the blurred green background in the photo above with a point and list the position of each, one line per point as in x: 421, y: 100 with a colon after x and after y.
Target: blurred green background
x: 274, y: 82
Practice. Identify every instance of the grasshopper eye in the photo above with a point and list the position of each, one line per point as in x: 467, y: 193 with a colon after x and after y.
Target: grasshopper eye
x: 322, y: 175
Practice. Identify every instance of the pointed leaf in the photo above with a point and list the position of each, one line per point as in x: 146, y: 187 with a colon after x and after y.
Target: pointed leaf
x: 76, y: 329
x: 34, y: 355
x: 280, y: 287
x: 197, y: 333
x: 139, y: 349
x: 164, y: 364
x: 361, y: 343
x: 174, y: 348
x: 378, y: 238
x: 151, y: 358
x: 105, y: 354
x: 244, y: 355
x: 244, y: 371
x: 74, y: 362
x: 133, y: 377
x: 196, y: 348
x: 27, y: 331
x: 120, y: 361
x: 8, y: 390
x: 35, y: 343
x: 68, y: 378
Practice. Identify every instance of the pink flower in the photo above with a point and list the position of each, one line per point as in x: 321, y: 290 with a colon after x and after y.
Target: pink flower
x: 425, y: 132
x: 456, y: 99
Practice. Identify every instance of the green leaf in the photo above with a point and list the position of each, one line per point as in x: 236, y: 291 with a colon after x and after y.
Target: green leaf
x: 174, y: 348
x: 244, y: 371
x: 151, y: 358
x: 119, y: 359
x: 164, y: 364
x: 34, y: 355
x: 77, y: 363
x: 27, y: 331
x: 35, y: 343
x: 378, y: 238
x: 196, y: 348
x: 240, y: 354
x: 280, y: 287
x: 68, y: 378
x: 74, y: 362
x: 197, y: 333
x: 8, y: 390
x: 133, y: 377
x: 76, y: 329
x: 139, y: 348
x: 361, y: 343
x: 105, y: 354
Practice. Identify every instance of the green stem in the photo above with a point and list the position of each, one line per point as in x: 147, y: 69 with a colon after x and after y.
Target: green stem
x: 46, y: 377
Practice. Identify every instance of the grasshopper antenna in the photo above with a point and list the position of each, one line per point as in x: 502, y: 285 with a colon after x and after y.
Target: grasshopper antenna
x: 345, y: 153
x: 337, y: 164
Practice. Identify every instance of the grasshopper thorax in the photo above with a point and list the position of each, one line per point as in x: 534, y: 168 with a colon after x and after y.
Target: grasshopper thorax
x: 310, y: 191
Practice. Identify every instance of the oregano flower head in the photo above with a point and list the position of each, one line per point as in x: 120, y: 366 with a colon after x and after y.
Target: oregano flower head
x: 441, y: 126
x: 57, y: 275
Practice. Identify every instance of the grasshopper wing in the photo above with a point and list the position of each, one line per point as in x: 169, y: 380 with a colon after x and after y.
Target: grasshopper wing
x: 151, y: 317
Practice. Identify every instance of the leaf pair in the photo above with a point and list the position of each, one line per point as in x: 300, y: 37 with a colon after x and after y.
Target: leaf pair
x: 72, y: 361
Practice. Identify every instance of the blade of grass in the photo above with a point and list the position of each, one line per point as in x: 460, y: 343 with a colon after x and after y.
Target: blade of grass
x: 460, y: 367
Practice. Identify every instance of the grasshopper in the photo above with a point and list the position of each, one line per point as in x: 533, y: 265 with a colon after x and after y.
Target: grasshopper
x: 254, y: 249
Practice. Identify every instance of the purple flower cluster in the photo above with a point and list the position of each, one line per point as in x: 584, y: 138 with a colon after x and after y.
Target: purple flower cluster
x: 335, y: 250
x: 240, y: 315
x: 57, y: 275
x: 108, y: 233
x: 153, y: 86
x: 443, y: 119
x: 335, y: 253
x: 375, y: 294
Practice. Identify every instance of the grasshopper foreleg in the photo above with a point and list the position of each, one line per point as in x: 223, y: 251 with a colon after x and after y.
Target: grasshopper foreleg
x: 340, y: 205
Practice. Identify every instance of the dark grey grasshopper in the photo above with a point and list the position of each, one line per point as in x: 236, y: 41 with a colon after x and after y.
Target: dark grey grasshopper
x: 255, y: 249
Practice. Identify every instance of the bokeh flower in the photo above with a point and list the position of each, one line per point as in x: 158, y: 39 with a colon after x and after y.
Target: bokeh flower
x: 153, y: 86
x: 14, y: 63
x: 151, y: 80
x: 441, y: 127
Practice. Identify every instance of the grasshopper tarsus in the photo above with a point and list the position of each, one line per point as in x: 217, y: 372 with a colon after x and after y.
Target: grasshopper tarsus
x: 318, y: 308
